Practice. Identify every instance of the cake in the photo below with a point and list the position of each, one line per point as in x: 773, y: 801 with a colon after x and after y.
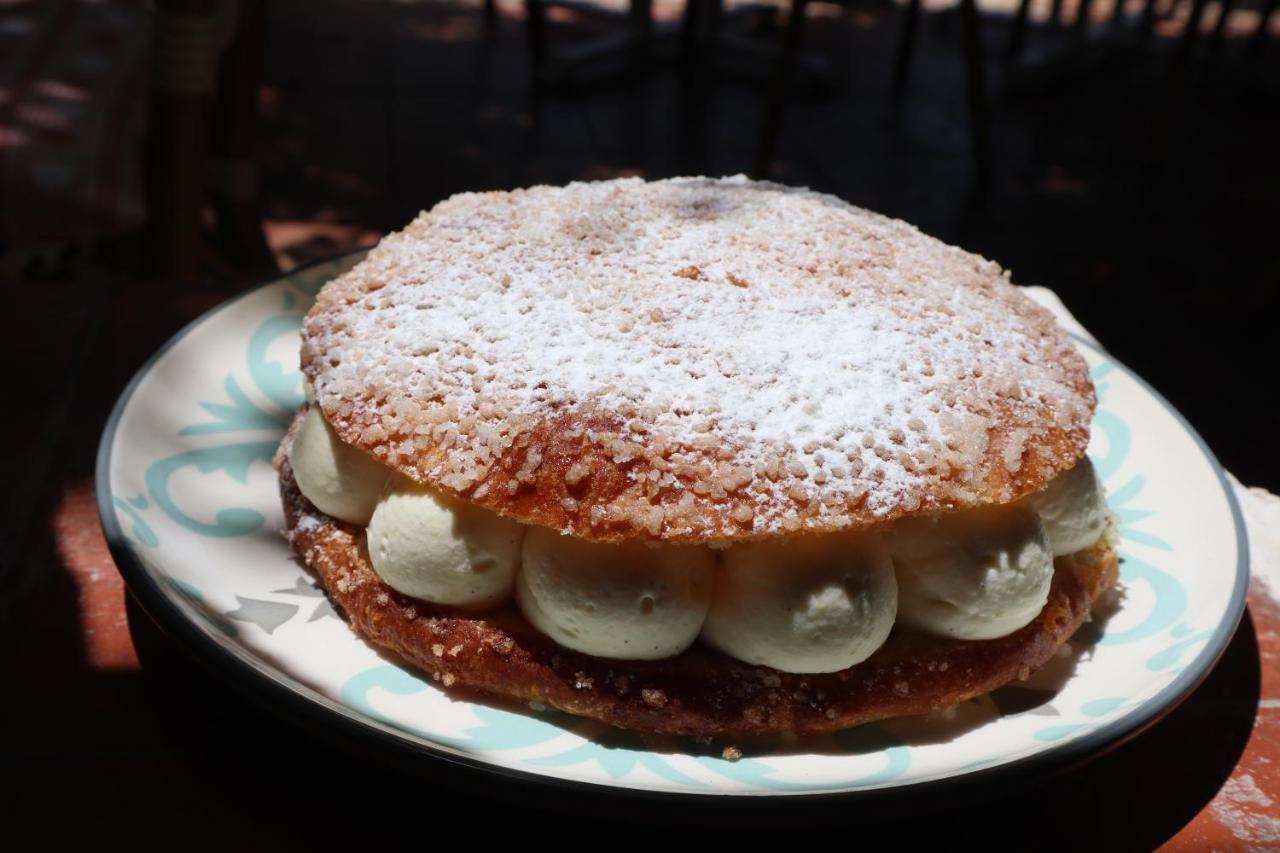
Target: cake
x: 705, y: 457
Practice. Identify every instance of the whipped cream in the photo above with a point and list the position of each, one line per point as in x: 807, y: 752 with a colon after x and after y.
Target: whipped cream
x: 339, y: 479
x: 973, y: 575
x: 430, y: 546
x: 630, y: 601
x: 1073, y: 507
x: 808, y: 604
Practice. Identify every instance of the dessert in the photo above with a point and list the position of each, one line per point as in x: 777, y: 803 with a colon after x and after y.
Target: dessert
x: 701, y: 457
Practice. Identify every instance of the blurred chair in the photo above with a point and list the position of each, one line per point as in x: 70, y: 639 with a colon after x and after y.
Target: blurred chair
x: 975, y: 82
x: 1083, y: 55
x: 637, y: 39
x: 1124, y: 33
x: 1259, y: 39
x: 1079, y: 28
x: 626, y: 47
x: 741, y: 41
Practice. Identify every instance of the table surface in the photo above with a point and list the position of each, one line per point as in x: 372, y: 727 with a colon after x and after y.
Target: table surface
x: 105, y: 712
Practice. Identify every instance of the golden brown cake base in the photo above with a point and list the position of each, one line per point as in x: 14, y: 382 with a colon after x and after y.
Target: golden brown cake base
x: 699, y: 693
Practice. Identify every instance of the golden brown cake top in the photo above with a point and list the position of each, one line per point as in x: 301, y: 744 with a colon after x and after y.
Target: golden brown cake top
x: 693, y: 360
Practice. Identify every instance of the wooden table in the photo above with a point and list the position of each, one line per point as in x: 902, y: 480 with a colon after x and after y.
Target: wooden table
x: 111, y: 731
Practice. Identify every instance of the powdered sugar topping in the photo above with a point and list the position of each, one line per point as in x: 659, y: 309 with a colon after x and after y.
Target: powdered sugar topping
x: 741, y: 342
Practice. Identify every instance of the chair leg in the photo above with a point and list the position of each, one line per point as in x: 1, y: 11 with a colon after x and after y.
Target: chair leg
x: 696, y: 114
x: 640, y: 13
x: 1117, y: 15
x: 182, y: 85
x: 1017, y: 32
x: 1186, y: 47
x: 689, y: 27
x: 536, y: 27
x: 1055, y: 14
x: 176, y: 133
x: 1260, y: 38
x: 1147, y: 22
x: 233, y: 166
x: 979, y: 103
x: 1224, y: 12
x: 1081, y: 27
x: 715, y: 21
x: 1172, y: 96
x: 906, y: 48
x: 771, y: 126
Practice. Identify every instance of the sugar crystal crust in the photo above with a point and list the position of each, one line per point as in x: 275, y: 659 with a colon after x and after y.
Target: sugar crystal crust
x: 693, y: 360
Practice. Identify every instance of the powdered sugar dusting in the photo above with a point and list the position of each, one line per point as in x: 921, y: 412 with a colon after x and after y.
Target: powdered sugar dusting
x: 1242, y: 807
x: 727, y: 342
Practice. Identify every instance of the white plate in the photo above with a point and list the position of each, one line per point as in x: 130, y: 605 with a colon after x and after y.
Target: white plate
x: 189, y: 503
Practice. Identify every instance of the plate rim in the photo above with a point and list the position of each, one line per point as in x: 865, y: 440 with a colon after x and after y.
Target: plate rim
x: 288, y: 699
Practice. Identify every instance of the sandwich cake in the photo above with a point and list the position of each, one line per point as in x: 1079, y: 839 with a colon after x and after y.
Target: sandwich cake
x: 706, y: 457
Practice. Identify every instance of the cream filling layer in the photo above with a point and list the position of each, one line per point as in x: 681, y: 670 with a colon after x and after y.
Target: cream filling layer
x: 629, y: 601
x: 339, y: 479
x: 808, y: 604
x: 811, y: 604
x: 430, y: 546
x: 1073, y: 507
x: 974, y: 575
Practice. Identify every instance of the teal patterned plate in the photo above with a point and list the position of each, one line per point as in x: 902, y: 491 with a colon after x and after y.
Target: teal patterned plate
x: 188, y: 500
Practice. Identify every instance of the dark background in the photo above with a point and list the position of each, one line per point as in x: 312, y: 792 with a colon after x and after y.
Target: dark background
x: 1148, y: 197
